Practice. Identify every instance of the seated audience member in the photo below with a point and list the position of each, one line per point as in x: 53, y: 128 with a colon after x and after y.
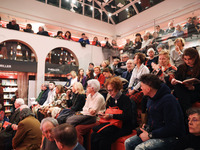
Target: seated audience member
x: 99, y: 76
x: 140, y: 69
x: 91, y: 66
x: 28, y: 28
x: 107, y: 45
x: 108, y: 73
x: 81, y: 78
x: 194, y: 28
x: 46, y: 126
x: 60, y: 97
x: 74, y: 77
x: 128, y: 45
x: 51, y: 94
x: 115, y: 49
x: 94, y: 103
x: 122, y: 65
x: 160, y: 31
x: 13, y: 25
x: 145, y: 43
x: 65, y: 137
x: 96, y: 42
x: 177, y: 53
x: 42, y: 32
x: 191, y: 141
x: 151, y: 59
x: 28, y: 135
x: 84, y: 40
x: 67, y: 36
x: 156, y: 40
x: 115, y: 64
x: 178, y: 31
x: 102, y: 140
x: 68, y: 81
x: 189, y: 22
x: 160, y: 47
x: 165, y: 118
x: 45, y: 91
x: 150, y: 36
x: 8, y: 133
x: 89, y: 76
x: 127, y: 74
x: 187, y: 93
x: 139, y: 36
x: 105, y: 64
x: 75, y: 102
x: 137, y: 44
x: 59, y: 35
x: 171, y: 27
x: 164, y: 70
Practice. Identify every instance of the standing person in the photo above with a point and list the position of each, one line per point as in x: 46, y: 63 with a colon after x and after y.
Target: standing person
x: 42, y: 32
x: 66, y: 137
x: 177, y: 53
x: 28, y: 135
x: 81, y: 78
x: 67, y: 36
x: 96, y: 42
x: 59, y: 35
x: 84, y: 40
x: 51, y: 94
x: 191, y: 141
x: 13, y: 25
x: 165, y: 118
x: 46, y: 126
x: 115, y: 49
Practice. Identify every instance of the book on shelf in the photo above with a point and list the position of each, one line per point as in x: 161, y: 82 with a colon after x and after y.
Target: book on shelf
x: 189, y: 81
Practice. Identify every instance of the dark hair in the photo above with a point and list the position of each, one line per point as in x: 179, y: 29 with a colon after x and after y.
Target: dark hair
x: 192, y: 53
x: 116, y: 83
x: 192, y: 111
x: 141, y: 56
x: 83, y: 34
x: 91, y: 74
x: 108, y: 70
x: 69, y: 34
x: 138, y: 34
x: 29, y: 25
x: 59, y: 32
x: 91, y: 64
x: 65, y: 134
x: 79, y: 76
x: 151, y: 80
x: 52, y: 82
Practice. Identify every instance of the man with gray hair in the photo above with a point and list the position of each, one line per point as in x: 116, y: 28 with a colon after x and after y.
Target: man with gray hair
x: 46, y: 126
x: 95, y: 102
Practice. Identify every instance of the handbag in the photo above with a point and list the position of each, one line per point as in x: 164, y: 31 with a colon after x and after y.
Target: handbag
x: 115, y: 122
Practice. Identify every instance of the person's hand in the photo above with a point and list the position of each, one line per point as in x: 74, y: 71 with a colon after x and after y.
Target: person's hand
x: 92, y: 111
x: 155, y: 66
x: 189, y: 86
x: 177, y: 49
x: 14, y: 126
x: 131, y: 91
x: 144, y: 135
x: 174, y: 81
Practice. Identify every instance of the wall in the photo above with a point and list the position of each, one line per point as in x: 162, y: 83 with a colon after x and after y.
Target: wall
x: 42, y: 45
x: 38, y: 11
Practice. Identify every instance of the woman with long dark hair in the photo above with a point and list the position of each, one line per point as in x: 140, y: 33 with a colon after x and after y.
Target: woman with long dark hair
x: 81, y: 78
x: 68, y: 36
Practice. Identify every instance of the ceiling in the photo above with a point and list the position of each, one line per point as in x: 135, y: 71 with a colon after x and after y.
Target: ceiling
x: 110, y: 11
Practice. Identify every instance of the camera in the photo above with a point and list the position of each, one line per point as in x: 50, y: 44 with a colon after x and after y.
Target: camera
x: 146, y: 128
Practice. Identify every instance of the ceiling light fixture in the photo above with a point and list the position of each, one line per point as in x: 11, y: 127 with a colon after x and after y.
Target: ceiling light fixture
x: 91, y: 8
x: 73, y: 1
x: 109, y: 15
x: 126, y: 9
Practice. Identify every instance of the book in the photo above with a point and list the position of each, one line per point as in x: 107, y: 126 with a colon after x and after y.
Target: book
x: 6, y: 123
x: 189, y: 81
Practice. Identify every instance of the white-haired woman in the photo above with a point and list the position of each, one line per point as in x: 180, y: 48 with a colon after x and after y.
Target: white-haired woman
x: 151, y: 58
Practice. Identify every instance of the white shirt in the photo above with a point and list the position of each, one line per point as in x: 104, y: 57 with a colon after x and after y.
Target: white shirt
x: 51, y: 97
x: 136, y: 74
x: 96, y: 102
x: 145, y: 43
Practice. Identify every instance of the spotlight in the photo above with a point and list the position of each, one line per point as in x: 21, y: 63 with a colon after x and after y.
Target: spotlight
x: 91, y: 8
x: 109, y: 15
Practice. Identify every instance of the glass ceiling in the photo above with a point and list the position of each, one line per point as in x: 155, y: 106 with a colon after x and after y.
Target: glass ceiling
x: 110, y: 11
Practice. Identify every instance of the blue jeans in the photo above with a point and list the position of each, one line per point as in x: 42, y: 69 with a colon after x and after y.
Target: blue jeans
x: 135, y: 143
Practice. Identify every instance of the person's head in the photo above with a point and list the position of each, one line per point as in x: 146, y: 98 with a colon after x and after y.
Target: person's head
x: 18, y: 102
x: 195, y: 20
x: 41, y: 29
x: 83, y: 35
x: 155, y: 35
x: 128, y: 41
x: 52, y: 85
x: 138, y: 35
x: 116, y: 61
x: 90, y: 73
x: 148, y: 33
x: 114, y: 42
x: 13, y: 21
x: 179, y: 27
x: 59, y: 89
x: 106, y: 38
x: 59, y: 33
x: 68, y: 34
x: 69, y: 76
x: 105, y: 63
x: 93, y: 86
x: 189, y: 19
x: 97, y: 70
x: 125, y: 57
x: 170, y: 25
x: 46, y: 126
x: 28, y: 26
x: 180, y: 42
x: 81, y: 72
x: 65, y: 136
x: 113, y: 86
x: 95, y: 39
x: 160, y: 47
x: 145, y: 37
x: 164, y: 58
x: 73, y: 74
x: 194, y: 121
x: 130, y: 64
x: 25, y: 112
x: 191, y: 57
x: 151, y: 52
x: 157, y: 28
x: 91, y: 65
x: 107, y: 72
x: 78, y: 88
x: 139, y: 58
x: 137, y: 39
x: 149, y: 84
x: 45, y: 86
